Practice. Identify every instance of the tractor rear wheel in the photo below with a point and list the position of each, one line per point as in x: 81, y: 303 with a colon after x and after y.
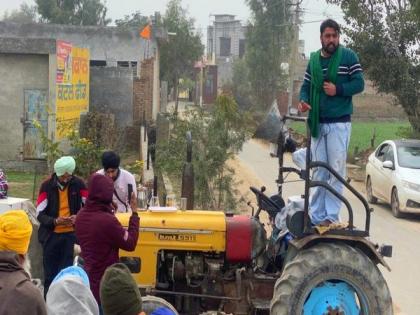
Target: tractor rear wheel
x: 331, y: 278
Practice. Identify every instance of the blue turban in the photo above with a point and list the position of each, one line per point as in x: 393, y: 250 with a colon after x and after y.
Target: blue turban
x: 162, y: 311
x: 73, y: 271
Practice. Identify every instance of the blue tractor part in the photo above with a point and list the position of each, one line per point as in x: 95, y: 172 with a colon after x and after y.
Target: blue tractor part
x: 332, y: 298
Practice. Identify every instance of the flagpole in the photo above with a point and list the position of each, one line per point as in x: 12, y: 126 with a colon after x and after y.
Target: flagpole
x: 146, y: 34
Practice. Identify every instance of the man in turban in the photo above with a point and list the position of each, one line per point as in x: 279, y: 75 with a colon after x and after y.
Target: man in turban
x: 70, y: 294
x: 119, y: 292
x: 18, y: 295
x: 121, y: 295
x: 60, y: 198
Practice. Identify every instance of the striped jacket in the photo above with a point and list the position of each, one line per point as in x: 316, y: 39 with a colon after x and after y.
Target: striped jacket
x: 47, y: 205
x: 349, y: 82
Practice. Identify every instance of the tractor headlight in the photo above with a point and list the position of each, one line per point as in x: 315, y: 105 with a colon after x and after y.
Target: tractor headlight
x: 410, y: 185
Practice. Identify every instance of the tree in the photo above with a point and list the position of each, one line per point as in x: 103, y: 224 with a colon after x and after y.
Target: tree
x: 75, y: 12
x: 385, y: 34
x: 268, y: 45
x: 217, y: 137
x: 241, y: 87
x: 416, y: 8
x: 133, y: 20
x: 180, y: 51
x: 25, y: 14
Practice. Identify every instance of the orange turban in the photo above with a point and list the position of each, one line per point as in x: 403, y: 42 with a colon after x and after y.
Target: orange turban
x: 15, y: 231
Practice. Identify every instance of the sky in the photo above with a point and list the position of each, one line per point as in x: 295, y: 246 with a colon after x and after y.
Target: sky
x: 202, y: 11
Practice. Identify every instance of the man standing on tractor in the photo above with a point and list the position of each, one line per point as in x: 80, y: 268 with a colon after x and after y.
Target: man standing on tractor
x: 332, y: 77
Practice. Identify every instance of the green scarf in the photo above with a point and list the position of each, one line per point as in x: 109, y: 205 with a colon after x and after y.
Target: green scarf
x: 317, y: 82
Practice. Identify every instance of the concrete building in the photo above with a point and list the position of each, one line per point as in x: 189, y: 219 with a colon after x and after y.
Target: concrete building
x: 109, y: 46
x: 205, y: 83
x: 28, y: 67
x: 225, y: 42
x: 27, y: 78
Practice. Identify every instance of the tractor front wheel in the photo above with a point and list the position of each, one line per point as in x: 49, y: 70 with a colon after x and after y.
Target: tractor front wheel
x: 331, y: 278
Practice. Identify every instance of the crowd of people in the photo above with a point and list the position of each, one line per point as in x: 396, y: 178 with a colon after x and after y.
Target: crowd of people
x: 69, y: 213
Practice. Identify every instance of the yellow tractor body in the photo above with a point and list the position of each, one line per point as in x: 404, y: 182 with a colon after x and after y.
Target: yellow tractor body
x: 189, y: 231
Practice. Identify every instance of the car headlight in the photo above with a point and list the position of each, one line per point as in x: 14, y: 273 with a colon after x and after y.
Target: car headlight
x: 410, y: 185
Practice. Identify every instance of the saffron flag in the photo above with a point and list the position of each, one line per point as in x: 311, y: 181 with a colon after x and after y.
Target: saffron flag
x: 146, y: 33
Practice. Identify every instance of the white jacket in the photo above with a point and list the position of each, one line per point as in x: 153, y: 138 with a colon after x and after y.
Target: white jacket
x: 121, y: 188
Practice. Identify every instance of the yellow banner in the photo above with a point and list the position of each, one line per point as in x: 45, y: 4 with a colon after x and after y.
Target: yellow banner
x: 72, y: 85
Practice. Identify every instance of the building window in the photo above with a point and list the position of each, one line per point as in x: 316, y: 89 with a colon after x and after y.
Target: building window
x: 98, y: 63
x: 126, y: 64
x: 241, y: 48
x: 210, y: 46
x: 123, y: 64
x: 224, y: 46
x: 134, y: 67
x: 209, y: 84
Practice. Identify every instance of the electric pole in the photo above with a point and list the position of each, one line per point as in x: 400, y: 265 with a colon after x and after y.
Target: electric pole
x: 294, y: 52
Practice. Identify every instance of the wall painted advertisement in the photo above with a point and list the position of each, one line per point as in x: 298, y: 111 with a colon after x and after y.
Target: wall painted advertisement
x: 72, y: 86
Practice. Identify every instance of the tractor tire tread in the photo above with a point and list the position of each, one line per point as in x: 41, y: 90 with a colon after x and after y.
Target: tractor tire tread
x: 324, y: 258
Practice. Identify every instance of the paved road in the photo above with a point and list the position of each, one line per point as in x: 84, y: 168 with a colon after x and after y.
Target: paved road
x: 402, y: 234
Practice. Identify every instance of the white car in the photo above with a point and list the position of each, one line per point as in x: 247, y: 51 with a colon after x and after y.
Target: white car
x: 393, y: 175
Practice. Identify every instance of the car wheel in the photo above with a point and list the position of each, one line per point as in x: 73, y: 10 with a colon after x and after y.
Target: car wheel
x: 395, y: 204
x: 369, y: 192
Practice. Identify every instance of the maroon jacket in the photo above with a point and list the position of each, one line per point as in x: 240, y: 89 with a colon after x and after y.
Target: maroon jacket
x: 100, y: 234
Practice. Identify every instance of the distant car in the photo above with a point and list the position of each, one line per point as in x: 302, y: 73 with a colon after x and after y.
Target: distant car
x: 393, y: 175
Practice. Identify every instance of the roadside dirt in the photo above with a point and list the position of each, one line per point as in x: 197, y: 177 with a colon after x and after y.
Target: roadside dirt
x: 246, y: 178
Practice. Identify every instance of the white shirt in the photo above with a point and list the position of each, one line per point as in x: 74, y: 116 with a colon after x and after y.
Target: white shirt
x: 121, y: 188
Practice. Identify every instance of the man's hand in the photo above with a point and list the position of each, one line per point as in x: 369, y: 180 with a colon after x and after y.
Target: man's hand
x: 72, y: 219
x: 329, y: 88
x: 114, y: 206
x: 63, y: 221
x: 133, y: 202
x: 303, y: 106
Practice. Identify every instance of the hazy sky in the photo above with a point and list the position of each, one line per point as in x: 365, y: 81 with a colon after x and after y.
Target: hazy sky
x: 202, y: 10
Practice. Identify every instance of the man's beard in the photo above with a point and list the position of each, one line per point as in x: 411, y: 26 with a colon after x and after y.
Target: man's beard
x: 330, y: 48
x: 26, y: 265
x: 63, y: 183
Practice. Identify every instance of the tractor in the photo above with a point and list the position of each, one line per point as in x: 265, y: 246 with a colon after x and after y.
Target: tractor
x: 203, y: 261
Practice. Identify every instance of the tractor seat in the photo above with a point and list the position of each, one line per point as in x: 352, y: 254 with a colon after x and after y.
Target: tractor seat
x: 273, y: 205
